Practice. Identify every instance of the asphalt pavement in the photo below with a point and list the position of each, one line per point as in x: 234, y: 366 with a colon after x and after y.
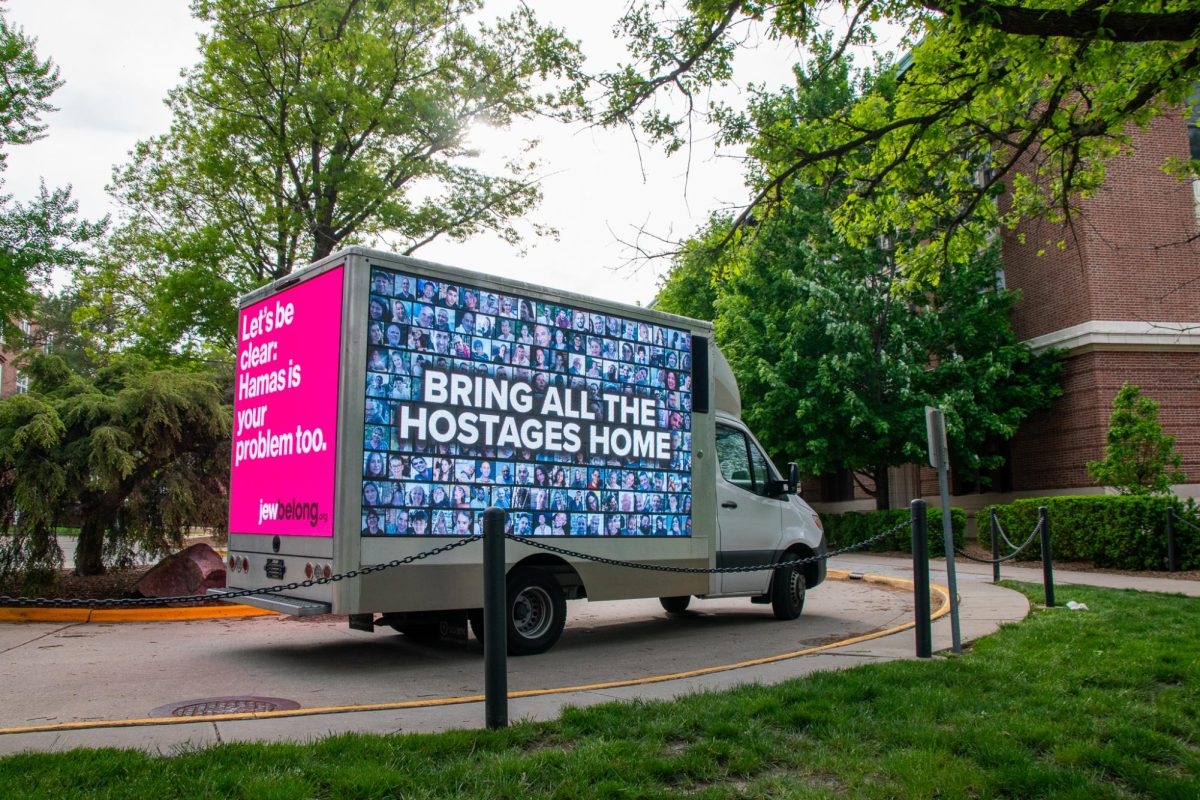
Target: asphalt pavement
x: 97, y: 685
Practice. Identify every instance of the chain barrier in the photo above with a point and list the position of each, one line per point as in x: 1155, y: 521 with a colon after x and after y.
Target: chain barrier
x: 1004, y: 535
x: 1187, y: 522
x: 1036, y: 530
x: 704, y: 570
x: 134, y: 602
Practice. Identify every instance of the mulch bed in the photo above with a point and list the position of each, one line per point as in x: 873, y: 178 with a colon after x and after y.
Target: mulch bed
x: 112, y: 584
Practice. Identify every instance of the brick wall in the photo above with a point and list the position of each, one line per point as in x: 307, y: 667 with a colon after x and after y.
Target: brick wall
x: 1127, y: 255
x: 8, y: 373
x: 1053, y: 447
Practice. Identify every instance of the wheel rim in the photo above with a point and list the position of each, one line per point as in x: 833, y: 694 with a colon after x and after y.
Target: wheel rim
x: 795, y: 586
x: 532, y: 612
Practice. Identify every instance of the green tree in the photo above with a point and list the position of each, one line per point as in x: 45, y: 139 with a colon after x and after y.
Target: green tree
x: 1029, y: 97
x: 836, y: 355
x: 141, y: 453
x: 1139, y: 458
x: 306, y: 126
x: 42, y: 233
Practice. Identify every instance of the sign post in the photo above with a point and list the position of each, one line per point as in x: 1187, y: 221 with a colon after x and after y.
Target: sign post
x: 935, y: 427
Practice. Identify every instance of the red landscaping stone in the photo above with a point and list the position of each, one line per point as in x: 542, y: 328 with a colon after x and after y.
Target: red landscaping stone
x: 189, y: 572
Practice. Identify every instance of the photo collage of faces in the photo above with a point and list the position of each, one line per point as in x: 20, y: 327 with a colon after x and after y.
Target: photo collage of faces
x: 417, y: 489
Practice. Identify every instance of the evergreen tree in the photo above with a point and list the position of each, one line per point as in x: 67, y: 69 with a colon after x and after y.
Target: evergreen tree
x: 1139, y: 458
x: 141, y: 453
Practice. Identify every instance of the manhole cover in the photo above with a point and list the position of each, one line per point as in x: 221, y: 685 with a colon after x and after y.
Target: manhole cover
x: 212, y: 706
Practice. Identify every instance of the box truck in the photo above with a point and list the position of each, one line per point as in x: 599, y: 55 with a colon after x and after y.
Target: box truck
x: 383, y: 402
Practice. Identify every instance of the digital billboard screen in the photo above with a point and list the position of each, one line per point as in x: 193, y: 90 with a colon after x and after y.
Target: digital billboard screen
x: 285, y: 411
x: 578, y: 423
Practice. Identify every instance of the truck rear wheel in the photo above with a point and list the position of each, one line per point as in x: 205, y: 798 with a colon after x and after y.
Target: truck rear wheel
x: 536, y: 611
x: 675, y: 605
x: 787, y: 592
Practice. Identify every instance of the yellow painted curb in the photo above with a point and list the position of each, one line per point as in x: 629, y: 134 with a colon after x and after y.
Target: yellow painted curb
x: 941, y: 592
x: 175, y: 614
x: 44, y: 614
x: 129, y: 615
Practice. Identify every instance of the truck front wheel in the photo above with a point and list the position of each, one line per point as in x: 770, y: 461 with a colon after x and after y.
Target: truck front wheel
x: 537, y: 611
x: 787, y: 592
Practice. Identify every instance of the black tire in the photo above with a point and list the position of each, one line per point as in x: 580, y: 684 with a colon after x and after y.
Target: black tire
x: 787, y: 592
x: 675, y: 605
x: 536, y: 610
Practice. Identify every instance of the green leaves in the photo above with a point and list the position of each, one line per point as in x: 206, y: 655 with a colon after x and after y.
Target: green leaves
x: 43, y: 233
x: 983, y: 94
x: 309, y: 126
x: 142, y: 453
x: 837, y: 354
x: 1140, y: 458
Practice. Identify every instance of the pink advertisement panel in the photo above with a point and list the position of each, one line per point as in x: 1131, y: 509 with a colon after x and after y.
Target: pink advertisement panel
x: 285, y: 411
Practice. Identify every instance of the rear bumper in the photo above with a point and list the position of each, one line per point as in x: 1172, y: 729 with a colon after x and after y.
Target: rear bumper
x: 295, y: 606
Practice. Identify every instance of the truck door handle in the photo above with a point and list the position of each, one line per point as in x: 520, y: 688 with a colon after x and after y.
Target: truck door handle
x: 729, y: 504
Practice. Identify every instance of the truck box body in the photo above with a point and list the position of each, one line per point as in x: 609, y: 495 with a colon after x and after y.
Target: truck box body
x: 383, y: 402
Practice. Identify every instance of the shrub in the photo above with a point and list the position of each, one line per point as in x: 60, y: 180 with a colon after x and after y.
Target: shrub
x: 1116, y: 531
x: 855, y: 526
x: 1140, y: 458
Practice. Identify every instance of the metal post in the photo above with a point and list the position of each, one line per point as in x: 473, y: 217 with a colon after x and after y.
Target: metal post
x: 1047, y: 566
x: 951, y: 571
x: 920, y: 550
x: 995, y: 547
x: 495, y: 624
x: 1172, y: 565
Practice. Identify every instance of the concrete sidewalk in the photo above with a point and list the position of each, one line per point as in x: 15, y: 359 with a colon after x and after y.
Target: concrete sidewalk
x: 969, y: 572
x: 984, y: 608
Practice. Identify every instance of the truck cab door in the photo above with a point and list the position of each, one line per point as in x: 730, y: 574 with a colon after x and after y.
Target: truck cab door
x: 749, y: 520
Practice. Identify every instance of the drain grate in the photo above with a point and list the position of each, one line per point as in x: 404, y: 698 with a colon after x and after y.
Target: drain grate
x: 213, y: 706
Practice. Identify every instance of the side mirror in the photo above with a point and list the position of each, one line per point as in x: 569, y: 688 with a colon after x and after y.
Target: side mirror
x: 793, y: 477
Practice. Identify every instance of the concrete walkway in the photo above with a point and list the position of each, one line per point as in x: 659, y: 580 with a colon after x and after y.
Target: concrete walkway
x: 969, y: 572
x: 984, y: 607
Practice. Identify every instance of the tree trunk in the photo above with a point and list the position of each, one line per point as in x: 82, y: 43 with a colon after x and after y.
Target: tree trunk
x: 89, y: 553
x: 882, y: 490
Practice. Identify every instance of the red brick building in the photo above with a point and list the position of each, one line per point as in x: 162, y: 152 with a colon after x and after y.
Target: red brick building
x: 1122, y: 300
x: 11, y: 380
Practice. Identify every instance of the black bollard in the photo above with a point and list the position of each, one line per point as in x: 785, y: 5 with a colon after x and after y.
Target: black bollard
x: 995, y: 547
x: 495, y: 623
x: 1047, y: 566
x: 920, y: 550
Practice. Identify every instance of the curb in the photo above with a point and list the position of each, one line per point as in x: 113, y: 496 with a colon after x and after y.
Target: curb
x: 109, y: 615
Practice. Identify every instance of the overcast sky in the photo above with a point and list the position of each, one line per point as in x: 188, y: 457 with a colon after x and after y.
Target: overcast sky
x: 118, y: 58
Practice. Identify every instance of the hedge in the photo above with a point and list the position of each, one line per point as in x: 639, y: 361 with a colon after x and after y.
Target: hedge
x: 1115, y: 531
x: 855, y: 526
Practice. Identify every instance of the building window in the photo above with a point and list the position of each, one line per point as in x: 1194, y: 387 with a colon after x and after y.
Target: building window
x: 22, y: 382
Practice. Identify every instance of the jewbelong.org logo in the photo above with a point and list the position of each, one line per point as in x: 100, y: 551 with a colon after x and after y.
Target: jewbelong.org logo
x: 290, y: 511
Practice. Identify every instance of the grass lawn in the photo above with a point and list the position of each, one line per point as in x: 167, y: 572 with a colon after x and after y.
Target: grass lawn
x: 1074, y: 704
